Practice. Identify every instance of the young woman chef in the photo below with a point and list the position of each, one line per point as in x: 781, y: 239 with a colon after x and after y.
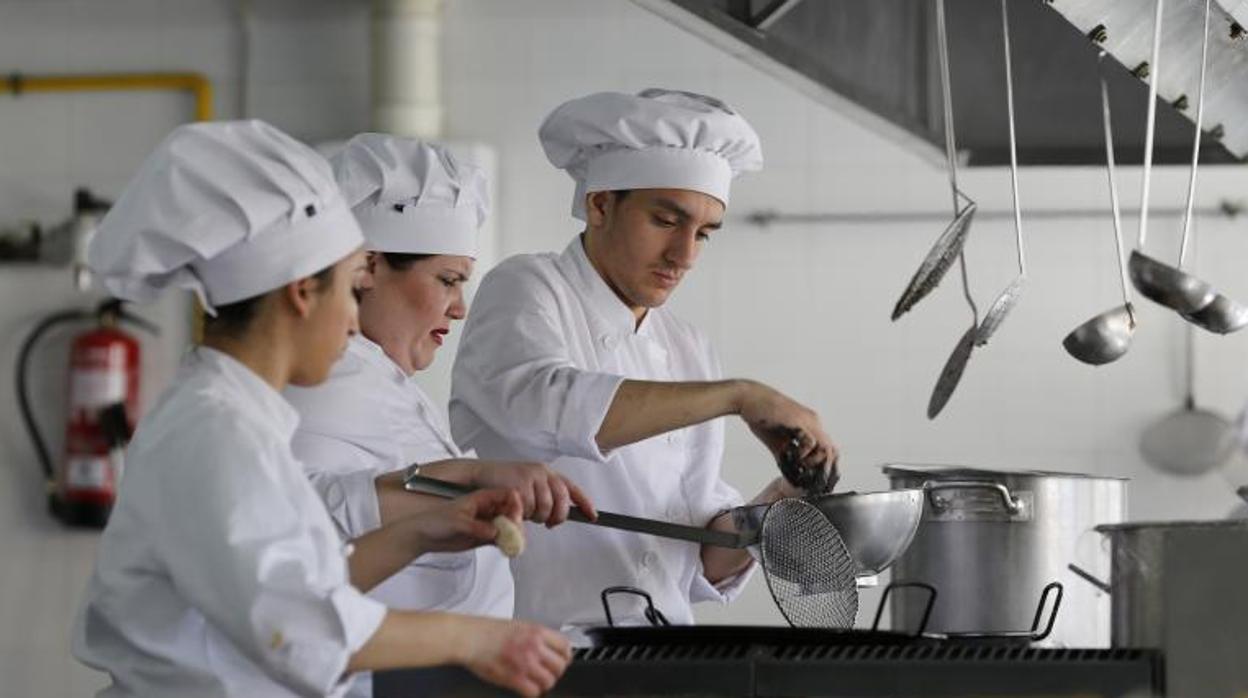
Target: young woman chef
x: 220, y: 572
x: 420, y: 209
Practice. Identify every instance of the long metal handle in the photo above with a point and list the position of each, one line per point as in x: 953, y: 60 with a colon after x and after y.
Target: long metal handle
x: 623, y: 522
x: 1107, y: 119
x: 1011, y: 503
x: 1200, y: 115
x: 1090, y: 578
x: 951, y: 148
x: 1151, y: 122
x: 1009, y: 103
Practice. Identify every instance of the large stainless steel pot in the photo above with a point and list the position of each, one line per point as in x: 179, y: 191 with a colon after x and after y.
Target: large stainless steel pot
x: 990, y: 541
x: 1180, y: 586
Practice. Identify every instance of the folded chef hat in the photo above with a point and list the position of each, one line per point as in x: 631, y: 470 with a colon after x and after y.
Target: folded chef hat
x: 229, y: 210
x: 657, y: 139
x: 412, y: 197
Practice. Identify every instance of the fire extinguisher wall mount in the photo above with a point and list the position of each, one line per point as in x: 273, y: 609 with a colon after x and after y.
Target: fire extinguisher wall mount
x: 103, y: 404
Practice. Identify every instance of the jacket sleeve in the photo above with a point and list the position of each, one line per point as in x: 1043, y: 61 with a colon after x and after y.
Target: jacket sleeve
x: 514, y: 376
x: 239, y: 539
x: 343, y: 476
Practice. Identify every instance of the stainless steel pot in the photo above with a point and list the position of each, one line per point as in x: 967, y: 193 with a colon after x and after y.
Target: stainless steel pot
x: 1179, y: 586
x: 991, y: 541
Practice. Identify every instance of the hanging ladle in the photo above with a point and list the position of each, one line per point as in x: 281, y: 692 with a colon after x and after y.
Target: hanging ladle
x: 955, y: 365
x: 1155, y: 280
x: 948, y: 246
x: 1009, y: 297
x: 1221, y: 315
x: 1107, y: 336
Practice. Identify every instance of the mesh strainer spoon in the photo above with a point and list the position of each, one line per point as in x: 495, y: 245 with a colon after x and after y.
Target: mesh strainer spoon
x: 809, y: 570
x: 808, y: 567
x: 955, y: 365
x: 1009, y: 297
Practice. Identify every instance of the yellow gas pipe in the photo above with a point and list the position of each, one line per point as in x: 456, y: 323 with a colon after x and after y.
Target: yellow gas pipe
x: 196, y: 84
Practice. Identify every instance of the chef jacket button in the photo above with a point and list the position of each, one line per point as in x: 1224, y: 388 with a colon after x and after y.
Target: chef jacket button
x: 608, y: 341
x: 648, y: 559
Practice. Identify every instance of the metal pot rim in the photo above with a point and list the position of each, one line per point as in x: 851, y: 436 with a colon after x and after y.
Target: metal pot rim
x: 1177, y: 525
x: 936, y: 470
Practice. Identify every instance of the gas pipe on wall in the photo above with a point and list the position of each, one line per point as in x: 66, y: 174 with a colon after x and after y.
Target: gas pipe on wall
x: 103, y: 406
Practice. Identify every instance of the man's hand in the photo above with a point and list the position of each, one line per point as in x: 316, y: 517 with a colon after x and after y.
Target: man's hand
x: 462, y: 523
x: 522, y: 657
x: 788, y: 429
x: 545, y: 495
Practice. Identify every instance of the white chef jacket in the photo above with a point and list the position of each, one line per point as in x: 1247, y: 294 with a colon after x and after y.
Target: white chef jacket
x: 220, y: 573
x: 371, y: 418
x: 545, y: 347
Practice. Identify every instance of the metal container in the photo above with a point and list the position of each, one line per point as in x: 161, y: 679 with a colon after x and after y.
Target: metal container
x: 991, y: 541
x: 1179, y: 586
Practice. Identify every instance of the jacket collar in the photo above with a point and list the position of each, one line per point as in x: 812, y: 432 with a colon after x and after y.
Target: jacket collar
x: 597, y: 295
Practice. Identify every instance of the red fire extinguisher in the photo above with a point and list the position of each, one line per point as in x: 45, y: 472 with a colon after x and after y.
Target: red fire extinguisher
x: 104, y: 375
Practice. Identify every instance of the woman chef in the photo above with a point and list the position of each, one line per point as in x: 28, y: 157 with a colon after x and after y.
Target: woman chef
x: 359, y: 431
x: 220, y: 572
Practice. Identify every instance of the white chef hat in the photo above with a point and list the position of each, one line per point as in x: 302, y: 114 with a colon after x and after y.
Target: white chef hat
x: 229, y: 210
x: 410, y: 196
x: 656, y: 139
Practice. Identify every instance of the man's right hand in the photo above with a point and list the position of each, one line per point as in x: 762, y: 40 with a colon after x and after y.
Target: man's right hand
x: 545, y: 495
x: 522, y: 657
x: 787, y: 428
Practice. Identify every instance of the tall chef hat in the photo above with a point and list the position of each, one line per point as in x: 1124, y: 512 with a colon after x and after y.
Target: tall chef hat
x: 229, y: 210
x: 656, y: 139
x: 412, y: 197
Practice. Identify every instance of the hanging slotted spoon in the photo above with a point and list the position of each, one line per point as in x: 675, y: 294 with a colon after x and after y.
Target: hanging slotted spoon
x: 955, y: 365
x: 949, y: 245
x: 1009, y: 297
x: 1156, y: 280
x: 1222, y: 315
x: 1107, y: 336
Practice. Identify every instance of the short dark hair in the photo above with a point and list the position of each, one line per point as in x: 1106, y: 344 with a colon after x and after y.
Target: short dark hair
x: 620, y: 194
x: 233, y: 319
x: 402, y: 261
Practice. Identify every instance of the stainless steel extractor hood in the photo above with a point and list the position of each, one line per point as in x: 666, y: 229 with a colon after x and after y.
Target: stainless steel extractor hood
x: 875, y: 61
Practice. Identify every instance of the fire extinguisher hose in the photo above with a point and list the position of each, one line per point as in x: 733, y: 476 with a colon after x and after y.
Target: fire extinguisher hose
x: 23, y: 396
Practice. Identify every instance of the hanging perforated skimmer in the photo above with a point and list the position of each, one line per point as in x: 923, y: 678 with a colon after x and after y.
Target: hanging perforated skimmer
x: 809, y: 570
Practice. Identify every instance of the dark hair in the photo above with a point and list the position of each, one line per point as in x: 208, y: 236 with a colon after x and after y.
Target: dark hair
x: 620, y: 194
x: 234, y: 318
x: 402, y: 261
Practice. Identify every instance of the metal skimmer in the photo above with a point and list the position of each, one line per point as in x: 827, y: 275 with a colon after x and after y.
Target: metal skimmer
x: 809, y: 570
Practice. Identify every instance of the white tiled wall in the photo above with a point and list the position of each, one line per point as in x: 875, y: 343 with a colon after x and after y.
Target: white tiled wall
x: 803, y: 307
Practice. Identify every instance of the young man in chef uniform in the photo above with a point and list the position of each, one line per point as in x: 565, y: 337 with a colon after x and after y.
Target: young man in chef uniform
x: 571, y: 358
x: 220, y: 572
x: 361, y: 430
